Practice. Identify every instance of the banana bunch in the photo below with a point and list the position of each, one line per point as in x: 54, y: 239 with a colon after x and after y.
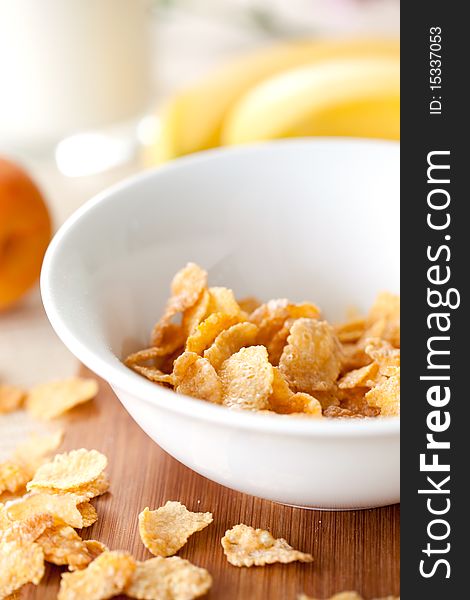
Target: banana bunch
x: 304, y: 88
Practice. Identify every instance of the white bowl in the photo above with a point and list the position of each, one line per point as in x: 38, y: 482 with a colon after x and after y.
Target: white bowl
x: 305, y: 219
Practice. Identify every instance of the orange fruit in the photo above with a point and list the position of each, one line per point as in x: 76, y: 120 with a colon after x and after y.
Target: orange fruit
x: 25, y: 231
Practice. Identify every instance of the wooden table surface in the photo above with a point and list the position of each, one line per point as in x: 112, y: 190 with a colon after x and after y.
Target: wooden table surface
x: 355, y: 550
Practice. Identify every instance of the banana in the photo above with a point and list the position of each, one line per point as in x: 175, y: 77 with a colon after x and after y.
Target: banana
x: 194, y: 118
x: 345, y: 97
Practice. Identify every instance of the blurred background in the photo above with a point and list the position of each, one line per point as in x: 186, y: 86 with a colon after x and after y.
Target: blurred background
x: 95, y: 90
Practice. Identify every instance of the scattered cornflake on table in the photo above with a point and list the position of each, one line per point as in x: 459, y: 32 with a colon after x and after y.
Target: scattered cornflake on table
x: 50, y: 400
x: 168, y: 579
x: 21, y: 562
x: 61, y: 506
x: 105, y: 577
x: 63, y: 546
x: 245, y: 546
x: 70, y: 471
x: 165, y: 530
x: 11, y: 398
x: 21, y: 558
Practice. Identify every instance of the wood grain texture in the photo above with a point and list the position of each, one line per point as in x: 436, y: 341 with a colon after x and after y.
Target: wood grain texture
x: 355, y: 550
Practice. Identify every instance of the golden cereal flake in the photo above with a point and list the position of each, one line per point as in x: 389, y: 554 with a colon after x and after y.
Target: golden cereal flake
x: 383, y: 319
x: 195, y: 314
x: 11, y: 398
x: 195, y: 376
x: 70, y: 470
x: 284, y: 401
x: 188, y: 284
x: 173, y: 338
x: 230, y: 341
x: 386, y: 396
x: 351, y: 331
x: 21, y: 562
x: 186, y: 288
x: 105, y: 577
x: 63, y: 546
x: 97, y: 487
x: 311, y: 360
x: 384, y: 354
x: 13, y: 476
x: 247, y: 379
x: 154, y: 374
x: 168, y: 579
x: 278, y: 341
x: 61, y: 506
x: 221, y: 299
x: 88, y: 513
x: 50, y: 400
x: 271, y: 317
x: 206, y: 332
x: 27, y: 530
x: 245, y: 546
x: 165, y: 530
x: 359, y: 377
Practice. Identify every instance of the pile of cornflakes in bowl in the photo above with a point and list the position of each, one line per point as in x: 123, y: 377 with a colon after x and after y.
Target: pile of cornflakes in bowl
x: 277, y: 357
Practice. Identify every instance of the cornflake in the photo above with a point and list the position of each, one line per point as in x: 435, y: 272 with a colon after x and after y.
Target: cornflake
x: 105, y: 577
x: 165, y: 530
x: 206, y: 332
x: 63, y: 546
x: 311, y: 360
x: 383, y: 319
x: 222, y: 299
x: 285, y: 402
x: 13, y: 476
x: 21, y: 562
x: 70, y: 471
x: 386, y: 396
x: 61, y: 506
x: 195, y: 376
x: 186, y: 287
x: 229, y: 342
x: 247, y: 379
x: 168, y: 579
x: 11, y: 398
x: 245, y: 546
x: 362, y: 377
x: 50, y: 400
x: 196, y: 313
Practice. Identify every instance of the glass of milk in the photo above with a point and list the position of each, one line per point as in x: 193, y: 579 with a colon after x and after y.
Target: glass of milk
x: 69, y: 69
